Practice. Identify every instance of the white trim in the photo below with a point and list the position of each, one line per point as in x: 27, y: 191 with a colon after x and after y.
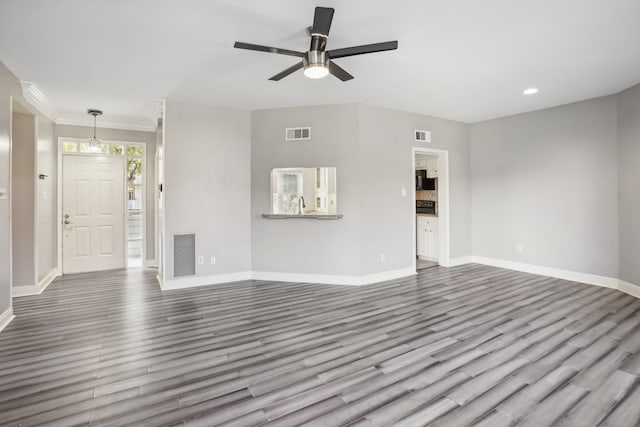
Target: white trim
x: 21, y: 291
x: 10, y: 213
x: 454, y: 262
x: 58, y: 218
x: 575, y: 276
x: 194, y: 281
x: 150, y: 263
x: 6, y: 318
x: 444, y: 234
x: 36, y: 201
x: 107, y: 122
x: 590, y: 279
x: 330, y: 279
x: 34, y: 96
x: 387, y: 275
x: 629, y: 288
x: 326, y: 279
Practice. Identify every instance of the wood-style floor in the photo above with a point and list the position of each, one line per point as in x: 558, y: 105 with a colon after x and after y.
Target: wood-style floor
x: 470, y: 345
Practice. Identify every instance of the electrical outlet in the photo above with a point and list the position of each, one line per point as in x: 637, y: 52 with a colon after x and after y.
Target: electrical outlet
x: 213, y: 260
x: 200, y: 260
x: 383, y: 257
x: 519, y: 248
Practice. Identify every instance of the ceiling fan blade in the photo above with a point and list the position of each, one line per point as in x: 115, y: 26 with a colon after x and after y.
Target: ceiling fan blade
x: 285, y: 73
x: 268, y: 49
x: 322, y: 20
x: 339, y: 72
x: 360, y: 50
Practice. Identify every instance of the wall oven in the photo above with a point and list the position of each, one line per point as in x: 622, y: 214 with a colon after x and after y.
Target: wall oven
x: 426, y: 207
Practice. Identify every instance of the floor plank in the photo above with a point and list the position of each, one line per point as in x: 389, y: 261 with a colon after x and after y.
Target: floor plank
x: 469, y: 345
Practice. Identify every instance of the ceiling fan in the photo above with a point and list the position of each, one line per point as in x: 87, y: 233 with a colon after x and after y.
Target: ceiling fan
x: 318, y: 62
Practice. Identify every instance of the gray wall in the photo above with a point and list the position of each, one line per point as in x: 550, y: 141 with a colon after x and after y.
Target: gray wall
x: 385, y: 156
x: 149, y: 138
x: 371, y: 148
x: 9, y: 87
x: 46, y: 207
x: 207, y: 169
x: 306, y: 246
x: 629, y: 181
x: 23, y: 157
x: 548, y: 180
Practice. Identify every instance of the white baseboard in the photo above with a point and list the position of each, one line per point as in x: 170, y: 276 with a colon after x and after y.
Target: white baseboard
x: 590, y: 279
x: 25, y: 290
x: 454, y: 262
x: 629, y: 288
x: 326, y: 279
x: 6, y: 318
x: 193, y: 281
x: 150, y: 263
x: 387, y: 275
x: 330, y: 279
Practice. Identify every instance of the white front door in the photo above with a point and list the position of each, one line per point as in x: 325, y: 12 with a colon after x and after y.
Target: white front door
x: 92, y: 213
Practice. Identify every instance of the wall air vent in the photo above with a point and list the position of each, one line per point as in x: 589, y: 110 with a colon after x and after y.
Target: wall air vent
x: 422, y: 135
x: 184, y: 254
x: 297, y: 134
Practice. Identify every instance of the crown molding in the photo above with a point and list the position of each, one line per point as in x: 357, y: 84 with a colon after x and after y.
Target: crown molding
x: 107, y: 122
x: 34, y: 96
x: 37, y: 99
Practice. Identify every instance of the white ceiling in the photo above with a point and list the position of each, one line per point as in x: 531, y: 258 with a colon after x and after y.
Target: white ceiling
x: 465, y: 60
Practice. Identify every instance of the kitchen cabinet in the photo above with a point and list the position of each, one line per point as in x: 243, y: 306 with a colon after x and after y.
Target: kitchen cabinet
x: 427, y: 243
x: 421, y: 163
x: 432, y: 168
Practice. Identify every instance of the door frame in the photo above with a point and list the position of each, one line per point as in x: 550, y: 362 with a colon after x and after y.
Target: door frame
x: 61, y: 140
x: 444, y: 255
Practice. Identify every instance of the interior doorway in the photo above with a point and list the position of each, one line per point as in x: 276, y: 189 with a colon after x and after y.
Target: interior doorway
x: 430, y: 214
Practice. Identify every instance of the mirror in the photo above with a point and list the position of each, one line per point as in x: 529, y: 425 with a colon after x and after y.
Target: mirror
x: 303, y: 191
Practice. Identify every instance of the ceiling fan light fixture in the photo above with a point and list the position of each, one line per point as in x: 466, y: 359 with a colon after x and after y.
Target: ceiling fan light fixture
x: 316, y: 71
x: 94, y: 142
x: 530, y: 91
x: 316, y: 64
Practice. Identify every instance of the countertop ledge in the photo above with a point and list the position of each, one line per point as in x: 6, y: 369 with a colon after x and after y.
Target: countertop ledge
x: 286, y: 216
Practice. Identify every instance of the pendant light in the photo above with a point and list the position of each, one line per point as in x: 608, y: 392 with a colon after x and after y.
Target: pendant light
x: 94, y: 143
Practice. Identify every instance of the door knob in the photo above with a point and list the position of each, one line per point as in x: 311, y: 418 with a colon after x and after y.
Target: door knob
x: 66, y: 216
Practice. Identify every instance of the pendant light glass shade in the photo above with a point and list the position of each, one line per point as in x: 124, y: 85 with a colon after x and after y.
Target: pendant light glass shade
x: 94, y: 143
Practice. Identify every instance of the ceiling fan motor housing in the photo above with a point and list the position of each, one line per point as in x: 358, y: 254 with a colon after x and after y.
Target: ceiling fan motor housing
x: 315, y: 58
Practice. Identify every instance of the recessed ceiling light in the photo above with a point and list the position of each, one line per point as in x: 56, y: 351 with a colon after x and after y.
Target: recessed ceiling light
x: 530, y: 91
